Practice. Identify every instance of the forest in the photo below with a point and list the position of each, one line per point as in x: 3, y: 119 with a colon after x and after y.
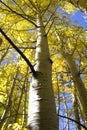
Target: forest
x: 43, y: 65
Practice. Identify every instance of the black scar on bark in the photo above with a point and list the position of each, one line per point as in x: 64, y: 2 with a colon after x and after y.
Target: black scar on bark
x: 50, y: 61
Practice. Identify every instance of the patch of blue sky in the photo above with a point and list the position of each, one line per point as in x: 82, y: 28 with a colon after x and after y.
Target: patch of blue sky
x: 79, y: 18
x: 13, y: 58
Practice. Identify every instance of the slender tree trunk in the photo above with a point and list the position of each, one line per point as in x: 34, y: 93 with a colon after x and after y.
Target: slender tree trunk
x: 66, y: 109
x: 58, y: 99
x: 8, y: 104
x: 42, y: 110
x: 76, y: 110
x: 81, y: 90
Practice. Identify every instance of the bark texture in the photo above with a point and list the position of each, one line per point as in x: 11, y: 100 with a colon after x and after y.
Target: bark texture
x: 81, y: 90
x: 42, y: 110
x: 76, y: 110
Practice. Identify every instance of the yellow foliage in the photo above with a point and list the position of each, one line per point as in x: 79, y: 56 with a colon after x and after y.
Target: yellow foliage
x: 68, y: 7
x: 14, y: 126
x: 22, y: 32
x: 2, y: 98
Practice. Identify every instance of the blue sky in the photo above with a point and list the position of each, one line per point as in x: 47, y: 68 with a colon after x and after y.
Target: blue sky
x: 78, y: 17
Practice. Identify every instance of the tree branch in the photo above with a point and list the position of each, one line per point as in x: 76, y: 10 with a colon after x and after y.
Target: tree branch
x: 21, y: 15
x: 18, y: 50
x: 73, y: 121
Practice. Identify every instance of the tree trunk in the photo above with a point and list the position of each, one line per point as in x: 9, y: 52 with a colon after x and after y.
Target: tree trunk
x: 42, y: 110
x: 76, y: 109
x: 81, y: 90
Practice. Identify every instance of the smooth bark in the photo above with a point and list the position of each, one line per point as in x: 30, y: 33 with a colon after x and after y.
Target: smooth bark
x: 81, y: 90
x: 76, y: 109
x: 42, y: 110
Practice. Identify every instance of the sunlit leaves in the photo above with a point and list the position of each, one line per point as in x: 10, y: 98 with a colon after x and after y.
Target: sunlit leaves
x: 68, y: 7
x: 17, y: 23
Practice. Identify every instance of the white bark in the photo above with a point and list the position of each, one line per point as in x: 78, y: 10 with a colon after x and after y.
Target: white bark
x: 81, y: 90
x: 42, y: 112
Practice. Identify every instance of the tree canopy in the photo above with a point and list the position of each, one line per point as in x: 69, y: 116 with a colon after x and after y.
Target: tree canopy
x: 67, y: 43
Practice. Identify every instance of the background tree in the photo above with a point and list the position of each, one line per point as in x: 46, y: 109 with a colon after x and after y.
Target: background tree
x: 29, y: 27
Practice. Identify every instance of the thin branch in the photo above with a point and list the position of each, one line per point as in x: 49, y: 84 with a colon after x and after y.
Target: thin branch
x: 30, y: 47
x: 8, y: 103
x: 83, y: 69
x: 51, y: 17
x: 50, y: 26
x: 33, y: 5
x: 5, y: 53
x: 77, y: 5
x: 44, y: 11
x: 73, y: 121
x: 59, y: 116
x: 19, y: 7
x: 18, y: 50
x: 13, y: 11
x: 75, y: 47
